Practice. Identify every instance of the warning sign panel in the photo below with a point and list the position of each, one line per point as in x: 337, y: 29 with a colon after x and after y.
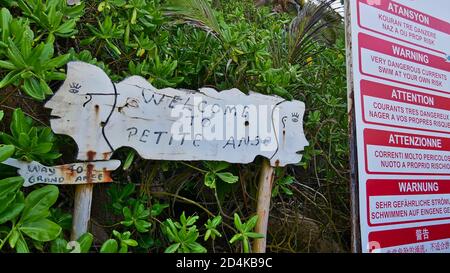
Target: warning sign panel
x: 391, y: 61
x: 404, y: 23
x: 399, y: 98
x: 399, y: 107
x: 420, y: 239
x: 405, y: 201
x: 402, y: 153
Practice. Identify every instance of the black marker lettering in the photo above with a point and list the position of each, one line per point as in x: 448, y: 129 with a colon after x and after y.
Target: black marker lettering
x: 257, y: 141
x: 244, y: 113
x: 246, y: 140
x: 217, y: 107
x: 230, y: 109
x: 206, y: 122
x: 195, y: 140
x: 174, y: 100
x: 230, y: 142
x: 33, y: 168
x: 182, y: 140
x: 144, y: 134
x: 201, y: 109
x: 185, y: 103
x: 133, y: 132
x: 152, y: 97
x: 159, y: 136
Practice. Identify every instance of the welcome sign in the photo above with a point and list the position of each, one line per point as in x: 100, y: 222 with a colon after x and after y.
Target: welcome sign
x: 174, y: 124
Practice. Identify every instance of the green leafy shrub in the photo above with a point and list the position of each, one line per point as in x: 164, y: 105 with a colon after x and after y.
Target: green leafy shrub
x: 31, y: 67
x: 30, y: 142
x: 120, y: 244
x: 183, y: 235
x: 245, y: 232
x: 28, y: 215
x: 26, y: 219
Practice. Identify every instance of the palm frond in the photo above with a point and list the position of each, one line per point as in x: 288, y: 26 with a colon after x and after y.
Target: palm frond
x: 195, y: 12
x: 309, y: 27
x: 315, y: 25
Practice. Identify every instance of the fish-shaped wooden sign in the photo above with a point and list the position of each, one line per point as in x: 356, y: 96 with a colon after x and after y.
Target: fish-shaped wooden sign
x: 174, y: 124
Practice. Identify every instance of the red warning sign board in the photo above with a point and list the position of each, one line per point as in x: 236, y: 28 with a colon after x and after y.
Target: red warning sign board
x: 399, y: 91
x: 400, y: 107
x: 404, y: 23
x: 420, y: 239
x: 406, y: 201
x: 390, y: 152
x: 391, y: 61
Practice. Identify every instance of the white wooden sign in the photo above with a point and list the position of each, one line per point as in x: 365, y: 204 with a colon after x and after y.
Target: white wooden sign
x: 76, y: 173
x: 174, y: 124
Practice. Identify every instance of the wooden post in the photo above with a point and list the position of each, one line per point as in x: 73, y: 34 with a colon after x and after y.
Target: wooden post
x: 83, y: 194
x: 264, y: 195
x: 82, y: 210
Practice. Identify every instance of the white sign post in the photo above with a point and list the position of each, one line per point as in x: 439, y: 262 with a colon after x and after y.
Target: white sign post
x: 399, y: 108
x: 171, y: 124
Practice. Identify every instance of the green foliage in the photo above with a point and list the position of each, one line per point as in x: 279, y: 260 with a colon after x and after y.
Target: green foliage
x: 137, y: 217
x: 107, y: 31
x: 245, y: 232
x: 211, y: 228
x: 183, y: 235
x: 109, y: 246
x: 28, y: 216
x: 53, y: 17
x: 214, y: 172
x: 157, y: 209
x: 197, y: 11
x: 120, y: 244
x: 6, y: 151
x: 128, y: 160
x: 282, y: 186
x: 312, y: 29
x: 30, y: 142
x: 30, y: 66
x: 25, y: 220
x: 120, y: 196
x: 62, y: 218
x: 159, y: 73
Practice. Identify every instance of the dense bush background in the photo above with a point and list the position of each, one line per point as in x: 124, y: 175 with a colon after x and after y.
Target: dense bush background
x: 272, y: 49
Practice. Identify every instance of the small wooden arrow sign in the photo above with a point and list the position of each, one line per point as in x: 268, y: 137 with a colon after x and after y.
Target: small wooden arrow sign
x: 69, y: 174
